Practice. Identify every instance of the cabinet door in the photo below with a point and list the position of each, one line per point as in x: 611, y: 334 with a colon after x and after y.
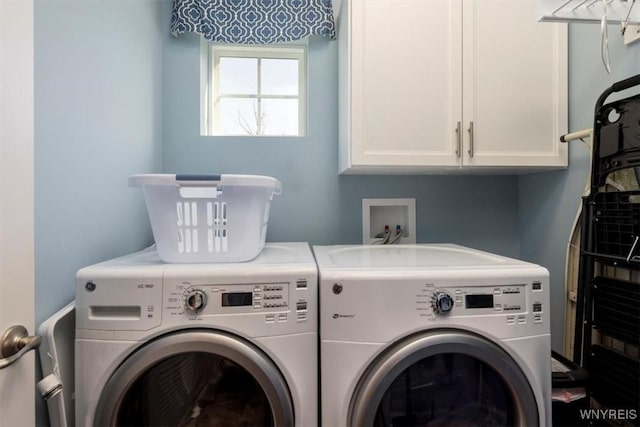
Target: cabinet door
x: 405, y: 90
x: 515, y: 85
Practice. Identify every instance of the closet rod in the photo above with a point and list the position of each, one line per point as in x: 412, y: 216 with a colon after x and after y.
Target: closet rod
x: 585, y: 133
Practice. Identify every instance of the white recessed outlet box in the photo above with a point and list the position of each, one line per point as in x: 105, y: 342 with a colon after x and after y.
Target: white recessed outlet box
x: 378, y: 213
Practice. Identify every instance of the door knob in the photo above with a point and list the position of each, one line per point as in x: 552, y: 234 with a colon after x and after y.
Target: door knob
x: 14, y: 343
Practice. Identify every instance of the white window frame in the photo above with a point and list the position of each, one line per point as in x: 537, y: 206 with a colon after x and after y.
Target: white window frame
x: 209, y: 79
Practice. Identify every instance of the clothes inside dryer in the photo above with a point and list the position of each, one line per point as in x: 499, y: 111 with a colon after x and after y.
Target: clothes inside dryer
x: 447, y: 390
x: 195, y: 389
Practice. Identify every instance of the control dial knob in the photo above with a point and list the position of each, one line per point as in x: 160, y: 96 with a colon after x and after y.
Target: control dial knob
x: 195, y: 300
x: 441, y: 302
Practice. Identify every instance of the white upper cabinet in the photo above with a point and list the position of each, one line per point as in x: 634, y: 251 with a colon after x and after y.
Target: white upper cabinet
x: 427, y: 86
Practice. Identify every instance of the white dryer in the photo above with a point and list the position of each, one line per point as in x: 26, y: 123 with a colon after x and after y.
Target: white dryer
x: 198, y: 344
x: 432, y: 335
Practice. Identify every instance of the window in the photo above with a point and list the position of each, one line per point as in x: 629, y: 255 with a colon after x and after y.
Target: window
x: 255, y: 90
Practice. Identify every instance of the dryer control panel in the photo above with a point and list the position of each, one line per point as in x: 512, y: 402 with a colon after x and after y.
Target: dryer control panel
x: 513, y: 300
x: 498, y: 299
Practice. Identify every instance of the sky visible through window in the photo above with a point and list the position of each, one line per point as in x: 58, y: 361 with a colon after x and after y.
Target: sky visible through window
x: 258, y: 96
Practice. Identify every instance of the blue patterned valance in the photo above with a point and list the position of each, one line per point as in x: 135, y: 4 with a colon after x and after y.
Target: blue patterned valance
x: 253, y: 21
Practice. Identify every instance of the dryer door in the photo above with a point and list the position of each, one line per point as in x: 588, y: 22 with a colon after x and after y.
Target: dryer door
x: 196, y: 377
x: 440, y: 379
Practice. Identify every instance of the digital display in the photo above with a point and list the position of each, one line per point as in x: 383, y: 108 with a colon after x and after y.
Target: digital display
x: 237, y: 299
x: 479, y: 301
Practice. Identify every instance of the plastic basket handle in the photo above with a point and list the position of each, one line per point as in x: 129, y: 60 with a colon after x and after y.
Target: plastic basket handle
x: 198, y: 186
x: 617, y: 87
x: 191, y: 178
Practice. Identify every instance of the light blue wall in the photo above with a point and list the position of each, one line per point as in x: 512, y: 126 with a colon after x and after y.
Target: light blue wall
x: 98, y: 98
x: 549, y: 201
x: 318, y: 205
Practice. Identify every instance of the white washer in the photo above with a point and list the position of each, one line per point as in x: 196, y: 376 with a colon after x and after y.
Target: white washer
x: 198, y: 344
x: 432, y: 335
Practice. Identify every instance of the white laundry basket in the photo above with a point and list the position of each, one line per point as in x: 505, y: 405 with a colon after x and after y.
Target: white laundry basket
x: 208, y: 218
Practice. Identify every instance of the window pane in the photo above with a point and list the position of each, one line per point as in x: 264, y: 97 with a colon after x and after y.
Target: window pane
x: 243, y: 77
x: 280, y: 117
x: 280, y: 76
x: 238, y: 76
x: 237, y: 117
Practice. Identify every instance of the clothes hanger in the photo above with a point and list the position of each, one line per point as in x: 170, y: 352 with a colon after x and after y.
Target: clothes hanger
x: 604, y: 38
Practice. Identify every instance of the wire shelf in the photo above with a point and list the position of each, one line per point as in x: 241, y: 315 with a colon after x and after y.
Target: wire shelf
x: 616, y: 225
x: 589, y: 10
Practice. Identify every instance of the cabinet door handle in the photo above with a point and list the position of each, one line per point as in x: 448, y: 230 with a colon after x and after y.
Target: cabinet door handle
x: 459, y: 139
x: 470, y: 139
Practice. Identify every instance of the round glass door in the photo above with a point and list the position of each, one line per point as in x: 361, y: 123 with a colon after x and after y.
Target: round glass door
x: 444, y: 379
x: 194, y: 379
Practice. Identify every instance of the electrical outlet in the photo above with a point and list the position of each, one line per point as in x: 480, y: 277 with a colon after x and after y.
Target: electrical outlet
x: 378, y: 213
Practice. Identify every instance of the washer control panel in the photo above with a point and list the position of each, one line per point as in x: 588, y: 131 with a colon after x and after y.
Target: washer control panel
x: 195, y: 300
x: 202, y: 299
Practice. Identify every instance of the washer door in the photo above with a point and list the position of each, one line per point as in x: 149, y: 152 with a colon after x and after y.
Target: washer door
x: 444, y: 378
x: 194, y: 378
